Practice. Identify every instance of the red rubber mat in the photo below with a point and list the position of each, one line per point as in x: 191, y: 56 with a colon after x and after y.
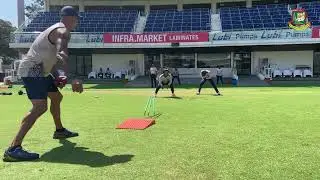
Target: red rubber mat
x: 136, y: 123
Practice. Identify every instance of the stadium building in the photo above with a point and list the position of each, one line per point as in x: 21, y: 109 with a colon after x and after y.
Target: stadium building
x: 263, y: 38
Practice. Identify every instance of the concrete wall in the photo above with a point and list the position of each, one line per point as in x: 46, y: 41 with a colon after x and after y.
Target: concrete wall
x: 117, y: 62
x: 195, y: 72
x: 283, y: 59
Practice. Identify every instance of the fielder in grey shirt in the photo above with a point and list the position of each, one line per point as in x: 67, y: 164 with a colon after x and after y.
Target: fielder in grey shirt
x: 165, y: 79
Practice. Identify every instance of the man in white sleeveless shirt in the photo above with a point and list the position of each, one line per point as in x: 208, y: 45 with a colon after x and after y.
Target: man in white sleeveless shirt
x: 43, y: 71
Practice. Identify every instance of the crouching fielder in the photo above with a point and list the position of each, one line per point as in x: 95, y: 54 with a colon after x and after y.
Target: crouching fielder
x: 205, y: 75
x: 165, y: 79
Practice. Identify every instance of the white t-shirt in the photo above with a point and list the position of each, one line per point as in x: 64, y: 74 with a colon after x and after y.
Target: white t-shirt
x: 175, y: 73
x: 165, y: 80
x: 219, y: 72
x: 153, y: 70
x: 205, y: 74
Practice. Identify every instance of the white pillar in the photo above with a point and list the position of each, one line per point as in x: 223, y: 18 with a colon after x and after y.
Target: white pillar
x: 249, y: 3
x: 147, y: 8
x: 47, y: 5
x: 161, y: 60
x: 81, y: 6
x: 179, y: 5
x: 233, y: 68
x: 195, y: 60
x: 20, y: 7
x: 214, y: 7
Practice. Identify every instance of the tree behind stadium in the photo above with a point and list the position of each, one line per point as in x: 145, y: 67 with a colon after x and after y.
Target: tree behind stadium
x: 6, y: 53
x: 33, y: 8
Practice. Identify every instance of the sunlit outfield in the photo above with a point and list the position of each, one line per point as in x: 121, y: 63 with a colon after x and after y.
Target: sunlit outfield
x: 248, y: 133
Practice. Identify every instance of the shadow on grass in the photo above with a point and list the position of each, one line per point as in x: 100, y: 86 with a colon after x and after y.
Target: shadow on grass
x: 105, y: 86
x: 170, y: 97
x: 68, y: 153
x: 193, y: 86
x: 155, y: 116
x: 123, y: 86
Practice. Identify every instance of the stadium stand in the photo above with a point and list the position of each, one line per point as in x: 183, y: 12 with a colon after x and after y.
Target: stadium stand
x: 172, y: 20
x: 91, y: 21
x: 169, y: 20
x: 313, y: 9
x: 259, y: 17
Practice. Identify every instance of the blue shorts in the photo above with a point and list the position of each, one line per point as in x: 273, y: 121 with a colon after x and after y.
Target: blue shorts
x: 38, y: 87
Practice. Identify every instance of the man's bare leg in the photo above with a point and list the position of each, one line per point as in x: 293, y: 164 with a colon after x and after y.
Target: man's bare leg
x: 15, y: 152
x: 61, y: 132
x: 39, y: 108
x: 56, y: 98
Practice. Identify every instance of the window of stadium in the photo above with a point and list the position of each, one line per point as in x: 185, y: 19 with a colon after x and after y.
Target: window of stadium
x: 214, y: 60
x: 179, y: 60
x: 242, y: 62
x: 80, y: 65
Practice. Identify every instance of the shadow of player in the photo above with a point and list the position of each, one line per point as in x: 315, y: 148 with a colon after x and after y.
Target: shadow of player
x: 68, y: 153
x: 171, y: 97
x: 157, y: 115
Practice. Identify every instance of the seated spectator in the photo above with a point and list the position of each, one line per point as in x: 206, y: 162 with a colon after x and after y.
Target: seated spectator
x: 100, y: 74
x: 108, y: 73
x: 123, y: 73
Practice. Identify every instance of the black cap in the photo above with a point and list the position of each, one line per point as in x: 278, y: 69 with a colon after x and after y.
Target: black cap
x: 165, y: 69
x: 69, y: 11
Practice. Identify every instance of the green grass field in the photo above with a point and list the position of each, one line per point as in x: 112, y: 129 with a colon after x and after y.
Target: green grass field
x: 249, y: 133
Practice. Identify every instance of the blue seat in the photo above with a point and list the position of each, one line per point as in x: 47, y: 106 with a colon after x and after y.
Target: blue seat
x: 258, y: 26
x: 247, y: 26
x: 237, y: 26
x: 268, y: 26
x: 195, y: 28
x: 256, y: 21
x: 226, y: 26
x: 90, y: 22
x: 193, y: 19
x: 247, y: 22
